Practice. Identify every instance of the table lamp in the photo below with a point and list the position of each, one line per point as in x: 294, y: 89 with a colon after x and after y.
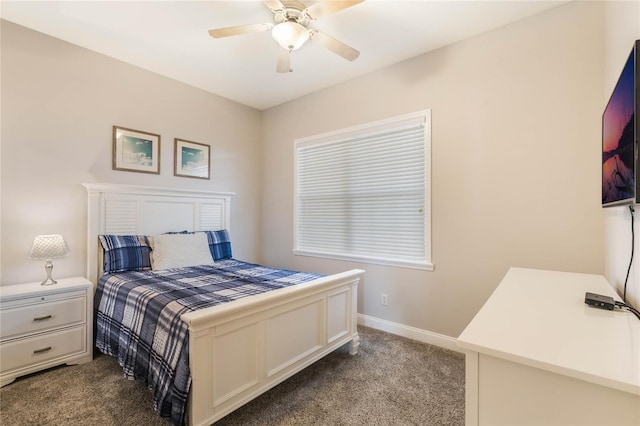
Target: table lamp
x: 48, y: 247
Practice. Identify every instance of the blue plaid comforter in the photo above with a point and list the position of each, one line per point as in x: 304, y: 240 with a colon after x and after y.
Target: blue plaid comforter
x: 138, y: 319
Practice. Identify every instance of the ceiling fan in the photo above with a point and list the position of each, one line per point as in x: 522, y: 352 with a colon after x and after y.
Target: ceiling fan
x: 291, y: 30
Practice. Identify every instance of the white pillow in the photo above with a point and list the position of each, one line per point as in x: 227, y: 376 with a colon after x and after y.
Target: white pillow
x: 180, y: 250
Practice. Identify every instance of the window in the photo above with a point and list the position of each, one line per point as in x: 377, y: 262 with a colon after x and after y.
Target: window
x: 363, y: 193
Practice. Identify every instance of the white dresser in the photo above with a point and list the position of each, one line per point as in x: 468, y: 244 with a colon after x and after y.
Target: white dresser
x: 45, y: 326
x: 536, y: 354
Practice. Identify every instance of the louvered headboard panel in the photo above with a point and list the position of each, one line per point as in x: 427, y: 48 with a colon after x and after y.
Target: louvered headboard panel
x: 143, y: 210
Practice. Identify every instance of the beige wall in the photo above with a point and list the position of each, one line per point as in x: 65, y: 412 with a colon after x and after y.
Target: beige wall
x: 621, y: 29
x: 59, y: 103
x: 516, y: 155
x: 515, y: 162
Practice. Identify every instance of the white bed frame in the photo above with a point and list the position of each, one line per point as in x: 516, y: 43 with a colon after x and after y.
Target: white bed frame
x: 241, y: 349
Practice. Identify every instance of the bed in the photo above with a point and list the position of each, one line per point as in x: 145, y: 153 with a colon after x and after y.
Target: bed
x: 240, y: 349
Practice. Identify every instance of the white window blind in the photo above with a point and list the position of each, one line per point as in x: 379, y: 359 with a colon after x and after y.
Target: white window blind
x: 362, y: 193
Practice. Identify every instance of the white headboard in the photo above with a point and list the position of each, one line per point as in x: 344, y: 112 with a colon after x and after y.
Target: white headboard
x: 145, y: 210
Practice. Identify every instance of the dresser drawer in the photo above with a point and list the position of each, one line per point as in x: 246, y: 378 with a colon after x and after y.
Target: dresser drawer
x: 44, y: 347
x: 39, y: 317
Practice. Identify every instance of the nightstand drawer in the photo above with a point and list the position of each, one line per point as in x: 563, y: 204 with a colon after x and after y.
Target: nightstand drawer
x: 35, y: 350
x: 15, y: 322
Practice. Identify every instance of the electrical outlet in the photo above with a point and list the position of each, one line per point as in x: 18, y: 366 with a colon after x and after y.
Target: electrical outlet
x: 384, y: 300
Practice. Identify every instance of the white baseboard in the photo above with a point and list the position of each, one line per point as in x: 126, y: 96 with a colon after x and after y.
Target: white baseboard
x: 409, y: 332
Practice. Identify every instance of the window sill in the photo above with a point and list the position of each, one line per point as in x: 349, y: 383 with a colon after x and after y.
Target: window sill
x: 425, y: 266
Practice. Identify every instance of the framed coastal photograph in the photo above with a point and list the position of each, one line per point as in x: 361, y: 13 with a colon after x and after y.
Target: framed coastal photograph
x: 192, y: 159
x: 136, y: 151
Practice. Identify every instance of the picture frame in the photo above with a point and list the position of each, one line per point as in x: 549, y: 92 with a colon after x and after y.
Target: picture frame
x: 192, y: 159
x: 136, y: 151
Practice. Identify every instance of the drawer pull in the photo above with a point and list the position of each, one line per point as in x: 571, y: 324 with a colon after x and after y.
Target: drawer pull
x: 39, y: 351
x: 42, y: 318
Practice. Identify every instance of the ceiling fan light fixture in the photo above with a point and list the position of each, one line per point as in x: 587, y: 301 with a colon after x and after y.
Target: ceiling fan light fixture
x: 290, y: 35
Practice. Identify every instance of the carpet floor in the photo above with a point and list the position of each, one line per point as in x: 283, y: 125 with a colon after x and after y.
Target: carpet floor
x: 392, y: 381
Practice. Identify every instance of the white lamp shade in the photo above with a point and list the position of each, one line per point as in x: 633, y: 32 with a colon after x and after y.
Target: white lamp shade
x: 290, y: 35
x: 48, y: 247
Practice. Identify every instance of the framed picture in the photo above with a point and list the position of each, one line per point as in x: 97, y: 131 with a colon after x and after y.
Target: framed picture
x: 192, y: 159
x: 136, y: 151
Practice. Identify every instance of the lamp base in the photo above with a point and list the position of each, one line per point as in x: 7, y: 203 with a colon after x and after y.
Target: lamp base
x: 49, y: 281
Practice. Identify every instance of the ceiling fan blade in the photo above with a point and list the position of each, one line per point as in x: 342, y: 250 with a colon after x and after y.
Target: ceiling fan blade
x: 275, y: 6
x: 240, y: 29
x: 324, y: 8
x: 284, y: 61
x: 336, y: 46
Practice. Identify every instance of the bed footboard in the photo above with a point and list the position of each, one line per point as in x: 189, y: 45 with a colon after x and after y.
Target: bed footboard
x: 241, y: 349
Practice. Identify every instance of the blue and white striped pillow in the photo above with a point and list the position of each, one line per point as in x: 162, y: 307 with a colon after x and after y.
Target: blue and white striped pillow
x: 126, y: 253
x: 219, y: 244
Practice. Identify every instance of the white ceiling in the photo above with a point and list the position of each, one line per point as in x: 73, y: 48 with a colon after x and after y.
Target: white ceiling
x: 170, y: 38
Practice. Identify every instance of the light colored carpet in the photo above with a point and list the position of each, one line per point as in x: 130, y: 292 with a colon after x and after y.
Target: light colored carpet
x: 392, y: 381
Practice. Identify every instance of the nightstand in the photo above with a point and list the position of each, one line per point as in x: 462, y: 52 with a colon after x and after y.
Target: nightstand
x: 45, y: 326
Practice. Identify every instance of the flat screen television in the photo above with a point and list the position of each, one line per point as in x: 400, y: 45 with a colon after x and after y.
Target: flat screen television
x: 620, y: 168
